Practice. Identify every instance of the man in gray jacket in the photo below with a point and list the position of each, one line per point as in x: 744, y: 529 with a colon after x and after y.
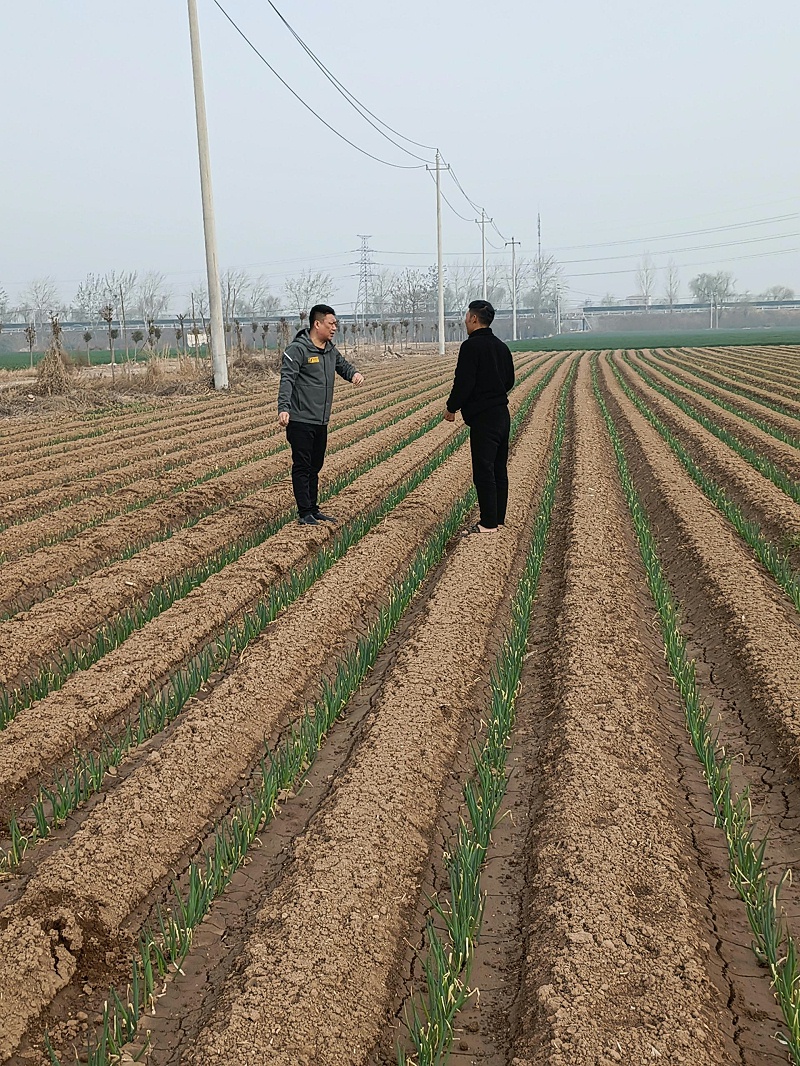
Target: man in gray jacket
x: 305, y: 398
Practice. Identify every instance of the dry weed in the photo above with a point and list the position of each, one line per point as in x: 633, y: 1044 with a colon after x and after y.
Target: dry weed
x: 55, y: 372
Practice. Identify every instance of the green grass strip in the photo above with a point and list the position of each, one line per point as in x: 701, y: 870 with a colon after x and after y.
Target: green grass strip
x: 774, y: 945
x: 770, y: 557
x: 164, y: 944
x: 746, y: 416
x: 448, y: 960
x: 76, y: 783
x: 759, y: 462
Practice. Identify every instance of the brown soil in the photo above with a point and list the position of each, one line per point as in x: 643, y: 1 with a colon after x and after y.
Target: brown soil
x: 73, y: 612
x: 783, y: 455
x: 87, y: 550
x: 51, y: 624
x: 162, y: 434
x: 724, y: 371
x: 611, y: 933
x: 746, y: 371
x: 100, y: 696
x: 759, y: 499
x: 338, y: 917
x: 148, y: 494
x: 763, y: 374
x: 79, y: 896
x: 760, y: 621
x: 752, y: 407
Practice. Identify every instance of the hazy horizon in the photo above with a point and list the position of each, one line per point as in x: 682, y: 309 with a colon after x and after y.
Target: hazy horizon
x: 621, y: 126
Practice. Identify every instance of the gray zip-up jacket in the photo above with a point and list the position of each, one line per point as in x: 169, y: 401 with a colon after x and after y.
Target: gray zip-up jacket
x: 307, y: 374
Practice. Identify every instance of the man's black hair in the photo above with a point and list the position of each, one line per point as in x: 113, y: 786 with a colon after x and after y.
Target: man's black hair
x: 318, y: 313
x: 483, y: 311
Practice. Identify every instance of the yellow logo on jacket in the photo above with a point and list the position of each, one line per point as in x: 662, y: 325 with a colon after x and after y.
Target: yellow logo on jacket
x: 313, y: 359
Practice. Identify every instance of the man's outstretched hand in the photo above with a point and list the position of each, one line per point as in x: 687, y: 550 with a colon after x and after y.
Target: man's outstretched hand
x: 358, y: 379
x: 283, y: 418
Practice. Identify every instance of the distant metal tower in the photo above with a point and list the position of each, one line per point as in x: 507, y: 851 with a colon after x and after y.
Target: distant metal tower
x: 365, y: 273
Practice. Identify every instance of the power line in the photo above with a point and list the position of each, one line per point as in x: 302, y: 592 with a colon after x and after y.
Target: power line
x: 678, y: 251
x: 455, y: 212
x: 470, y: 201
x: 356, y: 104
x: 686, y: 233
x: 690, y: 266
x: 308, y: 107
x: 353, y: 100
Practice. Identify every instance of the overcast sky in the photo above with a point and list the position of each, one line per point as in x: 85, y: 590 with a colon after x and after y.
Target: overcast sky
x: 627, y: 121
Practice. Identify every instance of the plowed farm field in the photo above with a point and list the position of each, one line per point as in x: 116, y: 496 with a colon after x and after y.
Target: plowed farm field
x: 375, y: 792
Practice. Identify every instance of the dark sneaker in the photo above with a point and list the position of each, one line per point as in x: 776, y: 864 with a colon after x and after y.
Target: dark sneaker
x: 320, y: 517
x: 307, y: 520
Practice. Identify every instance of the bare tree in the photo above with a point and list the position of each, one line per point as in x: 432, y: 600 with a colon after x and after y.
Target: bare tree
x: 463, y: 284
x: 308, y: 288
x: 107, y: 314
x: 496, y: 284
x: 546, y: 284
x: 234, y: 285
x: 30, y: 337
x: 412, y: 294
x: 382, y: 284
x: 646, y: 278
x: 672, y: 284
x: 778, y: 292
x: 153, y: 295
x: 3, y: 303
x: 88, y: 299
x: 119, y: 287
x: 713, y: 288
x: 258, y: 301
x: 41, y: 299
x: 524, y: 273
x: 199, y: 298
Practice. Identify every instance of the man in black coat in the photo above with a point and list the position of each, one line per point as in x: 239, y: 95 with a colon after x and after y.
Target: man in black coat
x: 484, y: 377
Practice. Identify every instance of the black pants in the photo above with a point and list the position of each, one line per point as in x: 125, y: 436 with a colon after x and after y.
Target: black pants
x: 308, y: 442
x: 488, y: 440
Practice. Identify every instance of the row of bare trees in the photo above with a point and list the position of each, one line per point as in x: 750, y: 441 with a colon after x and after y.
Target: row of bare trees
x: 397, y: 292
x: 716, y: 288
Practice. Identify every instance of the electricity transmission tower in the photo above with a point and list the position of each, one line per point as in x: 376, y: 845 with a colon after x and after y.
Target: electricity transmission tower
x: 364, y: 275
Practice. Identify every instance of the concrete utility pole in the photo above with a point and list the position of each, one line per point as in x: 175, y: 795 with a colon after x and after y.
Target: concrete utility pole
x: 219, y: 362
x: 482, y: 221
x: 513, y: 244
x: 439, y: 268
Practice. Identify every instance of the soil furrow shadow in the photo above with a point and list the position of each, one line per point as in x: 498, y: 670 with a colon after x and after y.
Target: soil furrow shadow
x: 499, y: 947
x: 743, y: 730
